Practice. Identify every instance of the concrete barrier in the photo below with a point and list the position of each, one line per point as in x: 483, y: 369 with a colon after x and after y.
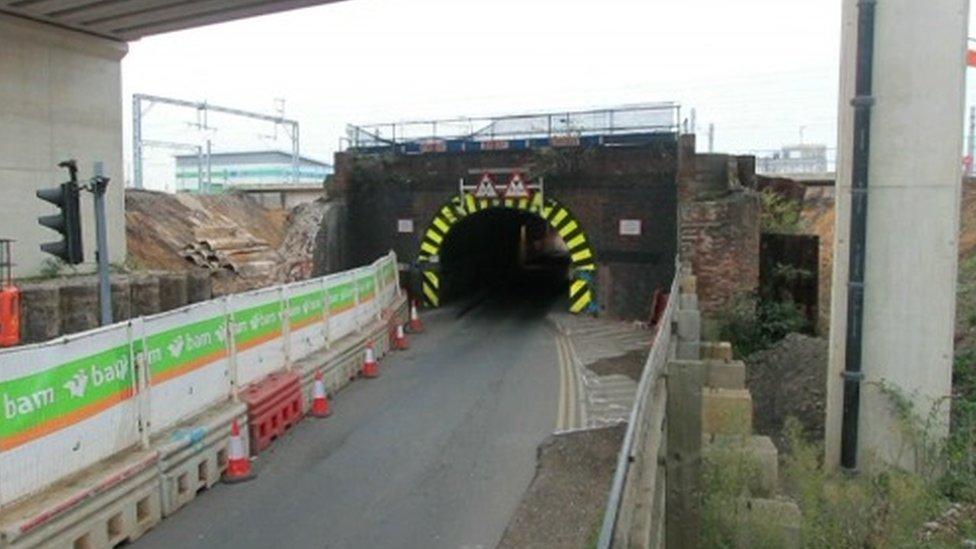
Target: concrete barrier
x: 193, y: 455
x: 55, y: 492
x: 726, y: 374
x: 108, y: 504
x: 726, y: 411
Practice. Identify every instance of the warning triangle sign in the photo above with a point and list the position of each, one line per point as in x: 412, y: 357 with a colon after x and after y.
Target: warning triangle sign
x: 486, y: 187
x: 516, y: 187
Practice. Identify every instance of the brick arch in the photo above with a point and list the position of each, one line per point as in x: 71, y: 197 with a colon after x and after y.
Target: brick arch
x: 581, y: 295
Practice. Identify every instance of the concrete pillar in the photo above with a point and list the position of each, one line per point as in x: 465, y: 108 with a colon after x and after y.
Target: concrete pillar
x: 60, y: 98
x: 913, y: 218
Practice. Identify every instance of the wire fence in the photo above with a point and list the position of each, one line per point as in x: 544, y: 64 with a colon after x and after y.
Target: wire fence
x: 644, y: 118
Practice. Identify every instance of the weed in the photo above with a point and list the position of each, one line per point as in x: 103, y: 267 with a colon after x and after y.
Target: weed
x: 752, y: 324
x: 779, y: 214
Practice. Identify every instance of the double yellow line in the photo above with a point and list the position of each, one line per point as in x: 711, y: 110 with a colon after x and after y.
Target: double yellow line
x: 568, y: 415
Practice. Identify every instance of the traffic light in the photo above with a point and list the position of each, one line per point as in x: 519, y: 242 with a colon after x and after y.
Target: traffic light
x: 67, y: 222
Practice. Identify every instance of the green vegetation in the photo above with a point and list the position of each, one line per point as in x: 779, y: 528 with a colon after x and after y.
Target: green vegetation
x: 780, y: 215
x: 752, y: 324
x: 889, y: 509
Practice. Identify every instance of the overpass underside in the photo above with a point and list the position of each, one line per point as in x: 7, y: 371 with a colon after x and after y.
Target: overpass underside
x: 126, y: 21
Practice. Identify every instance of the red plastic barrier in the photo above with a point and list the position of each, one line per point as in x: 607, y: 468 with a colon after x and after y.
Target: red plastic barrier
x: 274, y: 405
x: 9, y: 316
x: 659, y: 303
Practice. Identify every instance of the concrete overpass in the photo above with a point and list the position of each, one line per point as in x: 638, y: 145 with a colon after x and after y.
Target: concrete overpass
x: 127, y: 20
x: 61, y: 97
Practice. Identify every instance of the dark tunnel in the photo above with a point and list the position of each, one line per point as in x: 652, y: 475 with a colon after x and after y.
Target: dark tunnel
x: 502, y: 252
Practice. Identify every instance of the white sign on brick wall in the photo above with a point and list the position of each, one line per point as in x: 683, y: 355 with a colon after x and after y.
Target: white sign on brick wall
x: 630, y: 227
x: 405, y: 225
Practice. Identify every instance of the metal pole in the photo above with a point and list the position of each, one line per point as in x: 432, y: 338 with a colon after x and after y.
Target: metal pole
x: 209, y: 169
x: 99, y: 184
x: 854, y: 348
x: 711, y: 138
x: 199, y: 168
x: 295, y: 166
x: 137, y: 141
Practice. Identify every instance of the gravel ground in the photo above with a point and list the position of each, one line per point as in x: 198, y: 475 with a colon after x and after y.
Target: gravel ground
x: 630, y: 365
x: 789, y: 379
x: 564, y: 503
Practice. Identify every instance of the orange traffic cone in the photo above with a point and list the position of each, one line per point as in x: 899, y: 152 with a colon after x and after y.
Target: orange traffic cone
x: 320, y: 400
x: 400, y: 343
x: 416, y: 326
x: 238, y: 463
x: 370, y: 369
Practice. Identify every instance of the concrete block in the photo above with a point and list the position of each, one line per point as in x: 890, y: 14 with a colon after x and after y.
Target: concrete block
x: 726, y: 411
x: 688, y: 325
x: 41, y: 311
x: 121, y: 298
x: 769, y: 523
x: 725, y: 375
x: 688, y: 350
x: 688, y: 284
x: 144, y: 291
x: 79, y: 306
x: 716, y: 350
x: 757, y: 453
x: 688, y: 302
x: 199, y: 285
x: 172, y: 291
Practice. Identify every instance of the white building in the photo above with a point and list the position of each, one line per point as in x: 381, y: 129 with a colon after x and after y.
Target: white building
x: 246, y: 169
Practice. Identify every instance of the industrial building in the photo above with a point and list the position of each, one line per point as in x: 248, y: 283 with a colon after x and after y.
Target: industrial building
x: 221, y: 171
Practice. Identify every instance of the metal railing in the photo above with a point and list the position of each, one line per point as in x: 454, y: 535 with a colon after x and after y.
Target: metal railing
x: 647, y: 414
x: 642, y: 118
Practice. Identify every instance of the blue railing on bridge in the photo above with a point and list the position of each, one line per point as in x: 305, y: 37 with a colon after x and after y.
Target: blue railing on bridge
x: 622, y: 126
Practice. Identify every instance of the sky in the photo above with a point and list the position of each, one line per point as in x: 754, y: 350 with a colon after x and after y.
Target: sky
x: 764, y: 72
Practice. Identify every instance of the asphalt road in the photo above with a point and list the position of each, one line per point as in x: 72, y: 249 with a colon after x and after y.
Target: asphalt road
x: 436, y: 452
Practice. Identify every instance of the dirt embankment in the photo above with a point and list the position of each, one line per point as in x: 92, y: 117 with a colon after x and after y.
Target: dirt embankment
x: 564, y: 503
x: 245, y: 244
x: 789, y: 380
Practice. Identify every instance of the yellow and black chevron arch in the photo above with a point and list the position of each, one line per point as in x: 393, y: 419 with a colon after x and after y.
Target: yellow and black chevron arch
x: 582, y: 298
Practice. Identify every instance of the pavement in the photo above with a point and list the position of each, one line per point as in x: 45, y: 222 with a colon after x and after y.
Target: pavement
x: 603, y: 399
x: 436, y: 452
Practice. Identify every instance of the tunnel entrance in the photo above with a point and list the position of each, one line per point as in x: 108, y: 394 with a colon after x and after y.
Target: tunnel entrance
x: 532, y: 245
x: 503, y: 251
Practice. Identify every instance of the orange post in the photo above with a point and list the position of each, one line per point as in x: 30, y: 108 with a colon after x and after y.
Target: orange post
x: 9, y: 299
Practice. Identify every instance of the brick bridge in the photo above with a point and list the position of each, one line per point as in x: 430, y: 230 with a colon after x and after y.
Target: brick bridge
x: 621, y: 205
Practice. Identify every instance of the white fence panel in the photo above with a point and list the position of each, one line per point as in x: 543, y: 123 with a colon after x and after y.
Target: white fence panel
x: 342, y: 305
x: 188, y: 358
x: 66, y: 405
x: 257, y: 326
x: 306, y: 316
x: 388, y: 279
x: 365, y: 280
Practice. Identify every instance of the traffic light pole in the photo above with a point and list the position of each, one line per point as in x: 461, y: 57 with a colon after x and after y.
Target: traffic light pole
x: 99, y: 184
